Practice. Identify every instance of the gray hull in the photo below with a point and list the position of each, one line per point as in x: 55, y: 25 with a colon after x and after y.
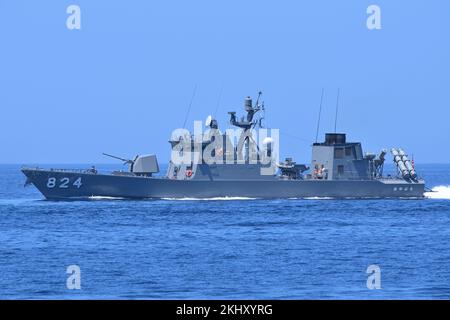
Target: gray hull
x: 54, y: 184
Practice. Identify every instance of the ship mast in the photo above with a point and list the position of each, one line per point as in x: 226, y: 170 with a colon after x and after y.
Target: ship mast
x: 246, y: 123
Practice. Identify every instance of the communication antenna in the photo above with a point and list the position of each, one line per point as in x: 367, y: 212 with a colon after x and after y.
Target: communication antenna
x: 260, y: 107
x: 320, y: 112
x: 263, y: 116
x: 190, y: 105
x: 257, y: 100
x: 337, y: 109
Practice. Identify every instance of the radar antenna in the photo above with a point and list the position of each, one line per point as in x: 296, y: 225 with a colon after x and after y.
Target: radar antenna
x: 247, y: 122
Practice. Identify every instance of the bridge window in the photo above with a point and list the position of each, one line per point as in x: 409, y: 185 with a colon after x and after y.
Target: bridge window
x: 338, y: 153
x: 348, y: 151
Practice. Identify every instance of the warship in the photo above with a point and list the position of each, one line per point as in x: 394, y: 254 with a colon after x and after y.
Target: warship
x: 215, y: 164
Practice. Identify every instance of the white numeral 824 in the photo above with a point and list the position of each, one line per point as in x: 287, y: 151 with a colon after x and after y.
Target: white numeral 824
x: 63, y: 183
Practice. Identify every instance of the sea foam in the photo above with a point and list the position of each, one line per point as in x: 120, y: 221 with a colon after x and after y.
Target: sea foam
x: 209, y: 199
x: 439, y: 192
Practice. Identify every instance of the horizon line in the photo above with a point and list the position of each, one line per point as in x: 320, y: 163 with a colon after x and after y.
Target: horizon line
x: 103, y: 163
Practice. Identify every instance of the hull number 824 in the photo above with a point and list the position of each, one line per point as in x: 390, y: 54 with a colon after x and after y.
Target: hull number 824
x: 63, y: 183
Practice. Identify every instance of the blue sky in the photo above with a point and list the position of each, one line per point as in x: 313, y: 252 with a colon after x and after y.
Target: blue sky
x: 123, y: 82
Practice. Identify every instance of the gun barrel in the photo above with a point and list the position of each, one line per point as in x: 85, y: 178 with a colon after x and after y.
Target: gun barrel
x: 118, y: 158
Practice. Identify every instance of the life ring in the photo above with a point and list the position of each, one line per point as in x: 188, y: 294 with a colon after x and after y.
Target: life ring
x: 189, y: 173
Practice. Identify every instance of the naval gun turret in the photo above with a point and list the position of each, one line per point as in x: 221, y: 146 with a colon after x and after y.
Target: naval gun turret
x: 144, y: 165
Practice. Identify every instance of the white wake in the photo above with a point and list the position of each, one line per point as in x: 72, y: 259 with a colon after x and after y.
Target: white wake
x: 314, y: 198
x: 210, y: 199
x: 439, y: 192
x: 105, y: 198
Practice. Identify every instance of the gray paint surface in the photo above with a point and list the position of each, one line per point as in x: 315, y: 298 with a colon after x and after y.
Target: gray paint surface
x: 148, y: 187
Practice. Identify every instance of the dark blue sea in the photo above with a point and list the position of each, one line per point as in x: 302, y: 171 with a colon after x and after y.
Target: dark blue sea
x: 225, y: 248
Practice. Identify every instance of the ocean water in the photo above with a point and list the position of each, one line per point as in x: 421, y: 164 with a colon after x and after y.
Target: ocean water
x: 224, y: 248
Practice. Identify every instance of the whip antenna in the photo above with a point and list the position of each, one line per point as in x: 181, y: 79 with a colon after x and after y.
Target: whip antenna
x: 320, y: 112
x: 190, y: 105
x: 337, y: 108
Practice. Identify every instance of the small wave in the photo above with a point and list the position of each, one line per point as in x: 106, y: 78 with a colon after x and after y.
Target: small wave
x: 439, y: 192
x: 317, y: 198
x: 210, y: 199
x: 105, y: 198
x: 17, y: 201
